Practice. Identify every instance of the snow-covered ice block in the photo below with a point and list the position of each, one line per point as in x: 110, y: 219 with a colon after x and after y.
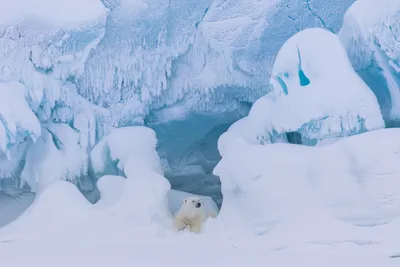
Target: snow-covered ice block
x: 356, y: 179
x: 44, y: 43
x: 315, y: 93
x: 111, y: 188
x: 136, y: 144
x: 58, y: 155
x: 132, y: 151
x: 371, y: 36
x: 17, y: 121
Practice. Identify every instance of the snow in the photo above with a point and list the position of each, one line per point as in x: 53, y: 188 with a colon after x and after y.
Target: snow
x: 57, y: 155
x: 282, y: 197
x: 156, y: 47
x: 111, y: 188
x: 58, y: 208
x: 371, y: 34
x: 318, y: 100
x: 98, y: 65
x: 79, y: 81
x: 132, y: 150
x: 11, y: 207
x: 127, y: 145
x: 59, y: 13
x: 351, y: 182
x: 17, y: 119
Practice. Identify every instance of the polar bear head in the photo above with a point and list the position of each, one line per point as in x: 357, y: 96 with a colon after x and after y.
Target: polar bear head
x: 192, y: 202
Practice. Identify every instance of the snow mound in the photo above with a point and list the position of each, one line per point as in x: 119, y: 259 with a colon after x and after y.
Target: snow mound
x: 111, y: 188
x: 11, y: 207
x: 371, y: 36
x: 315, y: 93
x: 59, y: 208
x: 354, y: 181
x: 132, y: 152
x: 58, y: 155
x: 17, y: 121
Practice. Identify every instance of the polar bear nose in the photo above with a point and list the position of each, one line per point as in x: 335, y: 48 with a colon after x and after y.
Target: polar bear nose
x: 198, y: 205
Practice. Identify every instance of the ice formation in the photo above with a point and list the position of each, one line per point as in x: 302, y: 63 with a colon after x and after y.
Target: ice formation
x: 371, y: 35
x: 132, y: 151
x: 315, y: 92
x: 57, y: 155
x: 84, y: 78
x: 355, y: 180
x: 121, y: 62
x: 18, y: 122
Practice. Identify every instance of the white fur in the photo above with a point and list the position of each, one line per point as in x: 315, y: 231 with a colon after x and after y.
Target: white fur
x: 189, y: 216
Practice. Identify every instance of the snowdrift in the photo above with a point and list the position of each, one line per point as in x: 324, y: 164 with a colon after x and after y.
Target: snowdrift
x: 326, y: 191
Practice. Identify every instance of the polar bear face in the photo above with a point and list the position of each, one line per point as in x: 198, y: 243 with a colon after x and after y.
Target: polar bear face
x: 192, y: 202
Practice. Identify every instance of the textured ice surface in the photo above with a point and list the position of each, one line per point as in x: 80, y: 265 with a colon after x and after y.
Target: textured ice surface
x: 125, y: 62
x: 58, y: 155
x: 315, y: 92
x: 137, y: 55
x: 371, y: 35
x: 356, y: 180
x: 17, y: 121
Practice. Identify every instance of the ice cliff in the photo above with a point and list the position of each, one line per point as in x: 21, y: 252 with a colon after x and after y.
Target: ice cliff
x: 79, y: 69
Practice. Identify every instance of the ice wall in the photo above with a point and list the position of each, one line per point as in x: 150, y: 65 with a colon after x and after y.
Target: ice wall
x: 371, y: 35
x: 124, y: 62
x: 187, y: 54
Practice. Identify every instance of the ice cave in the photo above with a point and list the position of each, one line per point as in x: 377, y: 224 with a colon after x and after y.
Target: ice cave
x: 281, y: 114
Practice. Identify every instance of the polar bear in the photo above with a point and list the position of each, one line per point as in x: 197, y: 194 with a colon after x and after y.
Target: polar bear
x: 192, y: 215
